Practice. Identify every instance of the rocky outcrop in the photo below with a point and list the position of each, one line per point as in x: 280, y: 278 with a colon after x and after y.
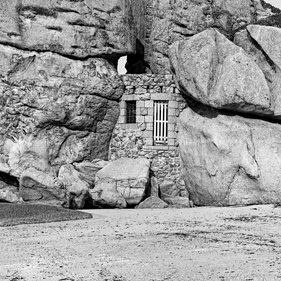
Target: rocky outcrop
x: 72, y: 28
x: 106, y: 195
x: 77, y: 188
x: 228, y: 159
x: 218, y: 73
x: 125, y: 178
x: 59, y: 92
x: 54, y: 110
x: 170, y: 21
x: 40, y: 187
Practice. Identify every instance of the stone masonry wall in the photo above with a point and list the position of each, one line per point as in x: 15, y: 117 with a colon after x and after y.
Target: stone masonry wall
x: 136, y: 140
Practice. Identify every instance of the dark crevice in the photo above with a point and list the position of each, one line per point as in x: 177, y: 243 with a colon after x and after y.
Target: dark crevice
x: 56, y: 28
x: 108, y: 57
x: 258, y: 46
x: 9, y: 180
x: 210, y: 112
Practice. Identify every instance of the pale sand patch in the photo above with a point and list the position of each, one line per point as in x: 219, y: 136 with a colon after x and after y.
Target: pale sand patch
x: 148, y: 245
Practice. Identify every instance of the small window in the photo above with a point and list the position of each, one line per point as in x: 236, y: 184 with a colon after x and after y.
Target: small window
x: 130, y: 112
x: 160, y: 128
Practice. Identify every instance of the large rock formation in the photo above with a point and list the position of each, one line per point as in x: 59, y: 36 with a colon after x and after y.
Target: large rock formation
x: 73, y: 28
x: 121, y: 183
x: 59, y: 90
x: 228, y: 159
x: 63, y: 111
x: 216, y: 72
x: 169, y: 21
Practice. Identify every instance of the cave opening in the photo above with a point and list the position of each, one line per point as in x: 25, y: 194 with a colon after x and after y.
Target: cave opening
x: 134, y: 63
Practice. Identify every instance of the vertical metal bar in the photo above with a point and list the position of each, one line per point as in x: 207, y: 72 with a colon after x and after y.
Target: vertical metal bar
x: 154, y: 133
x: 167, y: 120
x: 158, y: 117
x: 164, y: 123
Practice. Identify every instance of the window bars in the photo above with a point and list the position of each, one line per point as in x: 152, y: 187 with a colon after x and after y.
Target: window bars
x: 160, y: 129
x: 130, y: 112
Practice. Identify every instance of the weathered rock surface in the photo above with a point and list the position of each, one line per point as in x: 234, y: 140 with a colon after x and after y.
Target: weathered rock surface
x: 152, y: 202
x: 269, y: 39
x: 216, y: 72
x: 261, y: 43
x: 40, y: 187
x: 76, y: 186
x: 105, y: 194
x: 228, y: 159
x: 131, y: 178
x: 88, y: 170
x: 54, y: 110
x: 177, y: 201
x: 154, y: 187
x: 170, y: 21
x: 171, y: 189
x: 10, y: 194
x: 73, y: 28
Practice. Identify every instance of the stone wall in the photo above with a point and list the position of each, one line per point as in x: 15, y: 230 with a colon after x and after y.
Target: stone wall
x: 136, y: 140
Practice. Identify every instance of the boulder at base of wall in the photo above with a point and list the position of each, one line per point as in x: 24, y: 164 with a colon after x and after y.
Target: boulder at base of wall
x: 42, y: 188
x: 229, y: 160
x: 171, y: 189
x: 152, y: 202
x: 105, y: 194
x: 174, y: 195
x: 88, y: 170
x: 177, y: 201
x: 130, y: 175
x: 77, y: 188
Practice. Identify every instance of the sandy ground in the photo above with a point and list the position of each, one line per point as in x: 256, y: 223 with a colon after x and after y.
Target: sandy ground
x: 148, y: 245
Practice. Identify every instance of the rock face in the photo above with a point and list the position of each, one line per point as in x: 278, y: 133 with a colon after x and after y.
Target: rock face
x: 262, y: 44
x: 169, y: 21
x: 73, y: 28
x: 59, y: 92
x: 218, y: 73
x: 77, y: 188
x: 126, y: 177
x: 105, y: 194
x: 54, y: 110
x: 228, y: 159
x: 40, y: 187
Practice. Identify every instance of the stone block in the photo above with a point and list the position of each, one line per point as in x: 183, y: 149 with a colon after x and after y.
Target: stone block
x: 147, y: 134
x: 149, y: 126
x: 148, y: 103
x: 173, y: 104
x: 143, y: 111
x: 171, y: 142
x: 172, y: 135
x: 148, y: 141
x: 140, y: 119
x: 140, y: 103
x: 171, y: 111
x: 161, y: 96
x: 148, y: 119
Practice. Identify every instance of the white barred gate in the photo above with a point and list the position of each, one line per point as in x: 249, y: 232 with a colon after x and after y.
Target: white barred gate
x: 160, y: 129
